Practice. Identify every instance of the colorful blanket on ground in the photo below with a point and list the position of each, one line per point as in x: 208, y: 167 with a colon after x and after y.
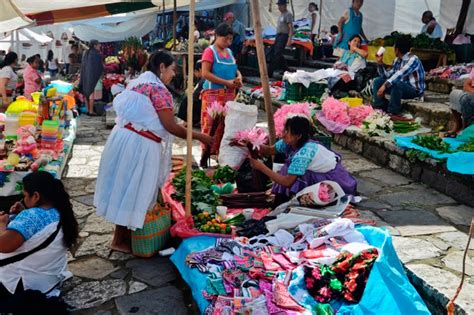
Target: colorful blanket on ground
x: 388, y: 290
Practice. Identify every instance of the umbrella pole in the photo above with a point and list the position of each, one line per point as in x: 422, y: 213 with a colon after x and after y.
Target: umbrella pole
x: 189, y: 135
x: 262, y: 66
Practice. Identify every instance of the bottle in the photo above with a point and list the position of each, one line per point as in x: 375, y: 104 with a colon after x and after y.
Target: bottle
x: 381, y: 51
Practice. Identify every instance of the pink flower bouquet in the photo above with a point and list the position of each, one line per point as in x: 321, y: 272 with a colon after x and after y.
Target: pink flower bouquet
x: 336, y: 111
x: 252, y: 138
x: 359, y: 114
x: 216, y: 110
x: 282, y: 114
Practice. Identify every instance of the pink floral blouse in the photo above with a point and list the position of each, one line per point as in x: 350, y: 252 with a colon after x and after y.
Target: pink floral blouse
x: 159, y: 95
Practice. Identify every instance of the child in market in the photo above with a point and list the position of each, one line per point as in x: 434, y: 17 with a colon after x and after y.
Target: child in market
x: 183, y: 107
x: 306, y: 162
x: 43, y: 227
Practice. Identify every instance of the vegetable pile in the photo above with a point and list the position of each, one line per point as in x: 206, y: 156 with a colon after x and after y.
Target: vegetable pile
x: 225, y: 174
x: 202, y: 196
x: 405, y: 126
x: 467, y: 147
x: 210, y: 223
x: 433, y: 143
x: 421, y: 41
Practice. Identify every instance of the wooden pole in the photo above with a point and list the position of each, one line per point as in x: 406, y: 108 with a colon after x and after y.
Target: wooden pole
x: 320, y: 16
x: 262, y: 66
x: 292, y: 9
x: 175, y: 18
x: 163, y: 22
x: 189, y: 136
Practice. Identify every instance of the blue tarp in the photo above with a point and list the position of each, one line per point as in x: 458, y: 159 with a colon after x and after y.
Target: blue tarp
x: 387, y: 292
x: 459, y: 162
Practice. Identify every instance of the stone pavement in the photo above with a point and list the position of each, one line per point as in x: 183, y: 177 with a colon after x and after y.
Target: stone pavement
x: 429, y: 234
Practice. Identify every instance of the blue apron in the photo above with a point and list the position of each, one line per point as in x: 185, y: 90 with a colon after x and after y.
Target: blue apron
x: 224, y: 68
x: 349, y: 29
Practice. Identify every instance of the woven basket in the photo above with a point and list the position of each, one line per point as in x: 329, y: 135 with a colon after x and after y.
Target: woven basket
x: 154, y: 235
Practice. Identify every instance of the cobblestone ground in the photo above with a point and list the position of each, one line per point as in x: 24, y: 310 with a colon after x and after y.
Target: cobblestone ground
x: 429, y: 232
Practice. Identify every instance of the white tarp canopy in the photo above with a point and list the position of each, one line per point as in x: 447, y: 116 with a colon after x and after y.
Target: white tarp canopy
x: 35, y: 6
x: 137, y: 27
x: 201, y: 5
x: 11, y: 17
x: 27, y: 42
x: 380, y: 17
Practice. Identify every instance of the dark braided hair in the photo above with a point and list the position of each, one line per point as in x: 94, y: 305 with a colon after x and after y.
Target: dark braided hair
x: 51, y: 190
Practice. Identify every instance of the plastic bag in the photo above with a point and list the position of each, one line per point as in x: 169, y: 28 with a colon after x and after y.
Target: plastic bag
x: 184, y: 229
x: 250, y: 180
x: 239, y: 117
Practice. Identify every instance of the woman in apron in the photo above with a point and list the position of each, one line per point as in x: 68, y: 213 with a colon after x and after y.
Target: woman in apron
x: 350, y: 24
x: 219, y: 69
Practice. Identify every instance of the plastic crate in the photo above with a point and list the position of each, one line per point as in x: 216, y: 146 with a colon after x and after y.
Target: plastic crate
x: 294, y: 92
x: 315, y: 89
x: 324, y: 139
x: 297, y: 91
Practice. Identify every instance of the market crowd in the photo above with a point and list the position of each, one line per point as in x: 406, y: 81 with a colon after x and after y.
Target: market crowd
x: 37, y: 231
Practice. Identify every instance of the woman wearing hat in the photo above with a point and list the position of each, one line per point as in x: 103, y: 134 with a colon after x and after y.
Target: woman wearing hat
x: 91, y: 72
x: 283, y: 38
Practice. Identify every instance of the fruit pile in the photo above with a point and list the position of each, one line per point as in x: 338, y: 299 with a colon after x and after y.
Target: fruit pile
x: 210, y: 223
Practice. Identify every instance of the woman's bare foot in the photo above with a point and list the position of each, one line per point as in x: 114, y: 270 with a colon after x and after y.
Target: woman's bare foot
x: 123, y: 248
x: 122, y: 240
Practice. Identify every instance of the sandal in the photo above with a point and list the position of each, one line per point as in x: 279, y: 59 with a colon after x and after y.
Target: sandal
x: 92, y: 114
x: 448, y: 134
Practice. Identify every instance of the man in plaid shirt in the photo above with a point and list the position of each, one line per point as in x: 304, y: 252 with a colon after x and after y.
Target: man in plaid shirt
x: 405, y: 80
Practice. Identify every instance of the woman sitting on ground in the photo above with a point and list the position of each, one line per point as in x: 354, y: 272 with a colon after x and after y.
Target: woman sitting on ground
x: 42, y: 225
x: 352, y: 61
x: 306, y: 162
x: 462, y: 107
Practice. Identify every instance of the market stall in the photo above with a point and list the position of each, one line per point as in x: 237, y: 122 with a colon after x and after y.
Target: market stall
x: 36, y: 135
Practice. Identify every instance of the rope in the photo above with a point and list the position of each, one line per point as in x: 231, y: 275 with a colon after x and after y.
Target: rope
x: 450, y: 307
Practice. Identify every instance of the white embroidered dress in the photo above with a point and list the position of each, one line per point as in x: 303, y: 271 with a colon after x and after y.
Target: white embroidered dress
x: 132, y: 167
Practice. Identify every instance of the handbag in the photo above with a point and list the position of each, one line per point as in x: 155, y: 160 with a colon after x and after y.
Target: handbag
x: 147, y: 241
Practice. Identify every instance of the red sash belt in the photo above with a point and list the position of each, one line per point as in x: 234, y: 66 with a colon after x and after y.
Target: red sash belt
x: 147, y: 134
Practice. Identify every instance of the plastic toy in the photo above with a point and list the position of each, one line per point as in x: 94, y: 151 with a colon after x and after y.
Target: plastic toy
x: 44, y: 157
x: 26, y: 143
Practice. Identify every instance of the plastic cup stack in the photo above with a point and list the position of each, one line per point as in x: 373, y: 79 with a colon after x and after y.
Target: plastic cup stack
x: 49, y: 134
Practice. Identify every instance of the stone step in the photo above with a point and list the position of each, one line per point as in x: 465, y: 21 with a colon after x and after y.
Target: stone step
x: 110, y: 116
x: 440, y: 85
x: 433, y: 114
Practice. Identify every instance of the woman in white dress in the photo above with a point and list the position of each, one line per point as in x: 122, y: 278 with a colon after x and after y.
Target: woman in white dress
x: 137, y: 156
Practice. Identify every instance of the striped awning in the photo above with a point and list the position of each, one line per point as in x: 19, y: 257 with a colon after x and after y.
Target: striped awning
x: 89, y: 12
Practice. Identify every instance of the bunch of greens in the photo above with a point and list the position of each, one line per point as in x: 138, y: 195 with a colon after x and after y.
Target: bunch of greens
x: 405, y: 126
x: 467, y: 147
x: 203, y: 198
x: 433, y: 143
x: 414, y: 155
x: 423, y: 41
x: 224, y: 174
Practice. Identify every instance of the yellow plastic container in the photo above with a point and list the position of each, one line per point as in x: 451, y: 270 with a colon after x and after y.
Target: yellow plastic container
x: 27, y: 118
x: 352, y: 101
x: 51, y: 92
x: 20, y: 105
x: 36, y: 97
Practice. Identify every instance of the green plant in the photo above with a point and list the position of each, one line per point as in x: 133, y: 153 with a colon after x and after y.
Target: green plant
x: 224, y: 174
x: 414, y: 155
x: 203, y: 198
x: 433, y: 143
x: 467, y: 147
